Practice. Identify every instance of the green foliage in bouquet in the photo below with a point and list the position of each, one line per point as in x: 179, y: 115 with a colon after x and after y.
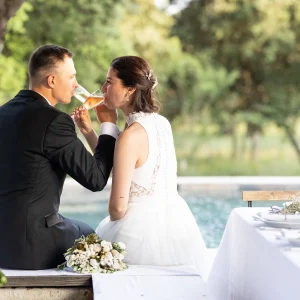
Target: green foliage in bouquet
x: 91, y: 254
x: 3, y: 279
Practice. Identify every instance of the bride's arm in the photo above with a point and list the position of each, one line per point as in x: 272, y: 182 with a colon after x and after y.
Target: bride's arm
x: 125, y: 158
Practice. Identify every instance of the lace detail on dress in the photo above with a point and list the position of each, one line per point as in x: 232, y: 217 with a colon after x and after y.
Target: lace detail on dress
x: 138, y: 190
x: 135, y: 189
x: 134, y: 116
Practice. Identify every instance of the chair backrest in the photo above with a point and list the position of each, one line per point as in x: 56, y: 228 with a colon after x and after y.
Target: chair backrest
x: 250, y: 196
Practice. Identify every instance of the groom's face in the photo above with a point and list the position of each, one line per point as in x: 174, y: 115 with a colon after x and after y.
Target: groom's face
x: 65, y: 81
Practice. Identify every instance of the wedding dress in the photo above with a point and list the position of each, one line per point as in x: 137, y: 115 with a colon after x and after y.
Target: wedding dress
x: 158, y: 227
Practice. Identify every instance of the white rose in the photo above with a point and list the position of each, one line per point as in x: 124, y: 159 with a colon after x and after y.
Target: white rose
x: 102, y: 262
x: 116, y: 265
x: 103, y: 243
x: 97, y: 248
x: 115, y: 253
x: 93, y: 263
x: 70, y: 263
x: 109, y: 255
x: 109, y: 263
x: 121, y: 256
x: 106, y: 249
x: 122, y: 245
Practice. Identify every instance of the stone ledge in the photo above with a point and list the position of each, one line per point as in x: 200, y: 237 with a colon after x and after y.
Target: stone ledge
x: 70, y: 293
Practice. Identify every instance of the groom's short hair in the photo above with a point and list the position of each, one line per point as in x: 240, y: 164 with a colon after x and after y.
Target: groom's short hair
x: 45, y: 58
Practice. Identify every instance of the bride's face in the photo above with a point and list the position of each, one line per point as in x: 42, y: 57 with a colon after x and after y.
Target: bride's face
x: 115, y: 93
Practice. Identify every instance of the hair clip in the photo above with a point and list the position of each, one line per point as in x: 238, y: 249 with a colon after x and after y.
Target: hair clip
x: 155, y: 83
x: 148, y: 75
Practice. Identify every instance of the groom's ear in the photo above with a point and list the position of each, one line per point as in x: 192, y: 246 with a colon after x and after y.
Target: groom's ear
x: 51, y: 80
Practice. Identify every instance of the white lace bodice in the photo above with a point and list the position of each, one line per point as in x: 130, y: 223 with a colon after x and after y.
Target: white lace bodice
x: 158, y: 174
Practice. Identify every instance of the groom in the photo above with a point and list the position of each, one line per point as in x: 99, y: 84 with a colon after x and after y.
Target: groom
x: 38, y: 148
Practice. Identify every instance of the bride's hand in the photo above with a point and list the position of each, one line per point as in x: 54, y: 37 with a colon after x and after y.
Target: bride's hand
x: 105, y: 114
x: 82, y: 119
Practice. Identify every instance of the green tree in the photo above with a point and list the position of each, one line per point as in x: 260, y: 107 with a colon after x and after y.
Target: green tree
x: 87, y: 30
x: 13, y: 67
x: 257, y: 39
x: 146, y: 29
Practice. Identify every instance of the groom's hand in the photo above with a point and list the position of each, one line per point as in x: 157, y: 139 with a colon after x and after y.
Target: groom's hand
x: 83, y: 120
x: 106, y: 115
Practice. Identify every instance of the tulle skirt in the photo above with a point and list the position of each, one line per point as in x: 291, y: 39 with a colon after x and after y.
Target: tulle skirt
x: 157, y: 233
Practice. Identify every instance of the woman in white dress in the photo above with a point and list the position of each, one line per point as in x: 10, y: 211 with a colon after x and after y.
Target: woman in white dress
x: 145, y: 210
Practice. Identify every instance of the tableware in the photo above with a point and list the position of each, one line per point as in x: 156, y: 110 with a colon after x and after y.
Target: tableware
x: 294, y: 218
x: 89, y: 100
x: 94, y: 99
x: 81, y: 93
x: 257, y: 218
x: 283, y: 224
x: 294, y: 241
x: 277, y: 224
x: 262, y: 228
x: 291, y: 249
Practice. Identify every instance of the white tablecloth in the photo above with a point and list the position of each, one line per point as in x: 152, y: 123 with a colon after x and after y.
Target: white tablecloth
x: 151, y: 282
x: 251, y: 264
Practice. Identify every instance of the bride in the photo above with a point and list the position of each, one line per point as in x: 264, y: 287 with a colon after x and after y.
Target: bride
x: 145, y: 209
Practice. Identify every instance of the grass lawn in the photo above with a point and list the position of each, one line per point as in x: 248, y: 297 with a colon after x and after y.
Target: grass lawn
x: 204, y: 155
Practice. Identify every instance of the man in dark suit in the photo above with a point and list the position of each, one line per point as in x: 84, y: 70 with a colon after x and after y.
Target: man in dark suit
x: 38, y: 148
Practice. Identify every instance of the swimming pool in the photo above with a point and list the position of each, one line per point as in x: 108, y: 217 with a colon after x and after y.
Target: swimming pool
x: 210, y: 204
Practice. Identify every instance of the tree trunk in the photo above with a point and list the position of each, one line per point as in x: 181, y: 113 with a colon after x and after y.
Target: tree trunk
x: 234, y: 144
x: 7, y: 9
x: 234, y: 139
x: 292, y: 139
x: 254, y: 146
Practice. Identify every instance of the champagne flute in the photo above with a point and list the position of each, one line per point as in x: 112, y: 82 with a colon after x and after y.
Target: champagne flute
x: 89, y: 100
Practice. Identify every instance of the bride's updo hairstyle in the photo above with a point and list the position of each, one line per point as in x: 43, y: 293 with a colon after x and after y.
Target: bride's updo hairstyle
x: 135, y: 72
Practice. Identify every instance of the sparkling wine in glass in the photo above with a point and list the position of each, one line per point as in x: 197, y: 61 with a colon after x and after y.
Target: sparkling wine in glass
x: 89, y: 100
x: 94, y: 99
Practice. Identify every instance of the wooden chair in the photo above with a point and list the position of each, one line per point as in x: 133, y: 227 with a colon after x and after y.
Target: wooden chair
x: 250, y: 196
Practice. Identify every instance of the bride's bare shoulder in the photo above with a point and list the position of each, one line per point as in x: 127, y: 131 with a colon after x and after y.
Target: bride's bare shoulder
x: 135, y: 133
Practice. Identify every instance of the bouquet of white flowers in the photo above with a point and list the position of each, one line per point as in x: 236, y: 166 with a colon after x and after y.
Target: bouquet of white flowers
x: 3, y: 279
x: 91, y: 254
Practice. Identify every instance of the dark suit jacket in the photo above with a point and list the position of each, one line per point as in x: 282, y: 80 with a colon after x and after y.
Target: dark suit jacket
x: 38, y: 147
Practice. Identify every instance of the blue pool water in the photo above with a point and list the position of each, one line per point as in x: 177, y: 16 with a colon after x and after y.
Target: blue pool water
x: 210, y: 206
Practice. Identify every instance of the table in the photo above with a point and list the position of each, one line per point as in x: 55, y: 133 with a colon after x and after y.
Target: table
x: 251, y: 264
